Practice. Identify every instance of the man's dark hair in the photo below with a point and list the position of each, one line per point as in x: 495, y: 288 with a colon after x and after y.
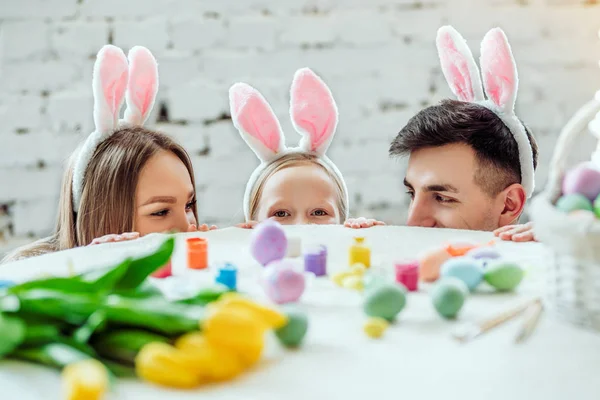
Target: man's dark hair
x: 452, y: 122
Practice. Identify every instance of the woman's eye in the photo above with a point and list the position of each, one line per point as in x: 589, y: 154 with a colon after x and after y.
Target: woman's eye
x: 281, y: 214
x: 320, y: 213
x: 161, y: 213
x: 411, y: 194
x: 190, y: 205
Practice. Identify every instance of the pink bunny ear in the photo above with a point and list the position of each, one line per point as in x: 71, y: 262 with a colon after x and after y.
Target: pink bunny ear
x: 499, y: 70
x: 142, y: 86
x: 458, y: 65
x: 256, y: 121
x: 313, y: 111
x: 108, y: 84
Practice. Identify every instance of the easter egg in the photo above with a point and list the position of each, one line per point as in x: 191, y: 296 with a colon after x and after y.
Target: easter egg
x: 353, y: 282
x: 466, y: 269
x: 374, y: 327
x: 430, y: 264
x: 448, y: 296
x: 503, y: 275
x: 292, y: 333
x: 385, y: 301
x: 574, y: 202
x: 584, y: 180
x: 268, y: 242
x: 282, y: 282
x: 484, y: 255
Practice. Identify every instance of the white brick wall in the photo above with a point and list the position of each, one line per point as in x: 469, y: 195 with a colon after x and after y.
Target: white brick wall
x: 378, y: 56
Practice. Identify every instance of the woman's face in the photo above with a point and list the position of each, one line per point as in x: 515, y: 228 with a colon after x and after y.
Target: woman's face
x: 298, y: 195
x: 164, y: 197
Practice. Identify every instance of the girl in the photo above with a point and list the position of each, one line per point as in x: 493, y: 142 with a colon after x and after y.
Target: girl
x: 299, y: 185
x: 125, y: 177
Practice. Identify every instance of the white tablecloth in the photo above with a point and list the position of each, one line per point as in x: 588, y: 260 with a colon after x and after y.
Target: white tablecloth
x: 416, y: 359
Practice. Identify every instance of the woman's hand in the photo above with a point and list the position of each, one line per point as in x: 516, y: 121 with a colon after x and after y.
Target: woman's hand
x: 247, y: 225
x: 115, y: 238
x: 516, y: 233
x: 362, y: 222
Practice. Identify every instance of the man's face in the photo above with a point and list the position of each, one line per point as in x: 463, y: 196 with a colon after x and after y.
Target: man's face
x: 440, y: 181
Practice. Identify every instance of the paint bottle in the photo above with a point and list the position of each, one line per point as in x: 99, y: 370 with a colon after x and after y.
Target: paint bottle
x: 359, y: 253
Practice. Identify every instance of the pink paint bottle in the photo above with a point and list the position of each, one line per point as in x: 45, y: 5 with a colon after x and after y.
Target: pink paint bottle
x: 407, y: 273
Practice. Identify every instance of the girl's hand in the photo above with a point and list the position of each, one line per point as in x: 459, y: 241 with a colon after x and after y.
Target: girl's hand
x: 115, y: 238
x: 516, y: 233
x: 362, y: 222
x: 247, y: 225
x: 201, y: 228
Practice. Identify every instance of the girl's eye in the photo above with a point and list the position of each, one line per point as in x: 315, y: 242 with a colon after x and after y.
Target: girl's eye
x: 320, y: 213
x: 281, y: 214
x: 161, y: 213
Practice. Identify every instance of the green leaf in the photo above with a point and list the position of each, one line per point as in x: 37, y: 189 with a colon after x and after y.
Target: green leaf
x: 206, y: 295
x: 108, y: 281
x: 37, y: 334
x: 154, y: 313
x: 74, y: 308
x: 67, y: 285
x: 124, y: 345
x: 94, y: 322
x: 141, y: 268
x: 55, y: 355
x: 12, y: 333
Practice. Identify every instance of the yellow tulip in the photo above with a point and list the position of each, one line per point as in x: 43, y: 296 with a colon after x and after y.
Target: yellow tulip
x: 271, y: 317
x: 210, y: 361
x: 165, y: 365
x: 85, y: 380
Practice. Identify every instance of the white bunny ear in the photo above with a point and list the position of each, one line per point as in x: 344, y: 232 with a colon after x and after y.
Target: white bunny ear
x: 255, y: 120
x: 108, y: 83
x: 313, y: 111
x: 499, y: 70
x: 142, y: 85
x: 458, y: 65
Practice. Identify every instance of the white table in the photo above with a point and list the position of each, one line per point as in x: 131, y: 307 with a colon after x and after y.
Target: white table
x: 416, y: 358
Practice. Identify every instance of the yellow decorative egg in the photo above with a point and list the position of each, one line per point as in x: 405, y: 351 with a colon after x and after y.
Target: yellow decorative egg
x: 353, y: 282
x: 339, y: 277
x: 374, y: 327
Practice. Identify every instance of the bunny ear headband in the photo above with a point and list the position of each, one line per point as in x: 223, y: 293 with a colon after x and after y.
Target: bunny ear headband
x: 500, y: 82
x: 115, y: 78
x: 314, y: 116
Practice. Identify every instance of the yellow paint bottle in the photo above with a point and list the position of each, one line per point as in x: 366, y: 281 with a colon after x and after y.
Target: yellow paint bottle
x: 359, y: 253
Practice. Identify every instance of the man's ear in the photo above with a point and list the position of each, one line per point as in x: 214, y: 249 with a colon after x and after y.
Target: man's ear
x: 514, y: 198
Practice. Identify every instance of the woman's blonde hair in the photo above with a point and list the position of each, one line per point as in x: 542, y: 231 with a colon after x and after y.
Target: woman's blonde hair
x: 293, y: 160
x: 108, y: 196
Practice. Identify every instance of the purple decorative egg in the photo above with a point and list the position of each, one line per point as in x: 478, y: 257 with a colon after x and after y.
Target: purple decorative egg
x: 484, y: 254
x: 583, y: 179
x: 268, y: 242
x: 283, y: 282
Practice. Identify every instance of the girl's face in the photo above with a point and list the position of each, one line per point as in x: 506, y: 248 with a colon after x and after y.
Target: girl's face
x: 298, y: 195
x: 164, y: 196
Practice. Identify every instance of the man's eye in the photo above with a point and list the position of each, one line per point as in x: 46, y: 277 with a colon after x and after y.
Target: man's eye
x: 281, y: 214
x: 443, y: 199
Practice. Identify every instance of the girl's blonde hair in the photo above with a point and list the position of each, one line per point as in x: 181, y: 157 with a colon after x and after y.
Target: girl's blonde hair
x: 290, y: 160
x: 108, y: 196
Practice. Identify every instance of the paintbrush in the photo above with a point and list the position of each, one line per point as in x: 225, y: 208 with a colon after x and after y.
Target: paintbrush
x: 532, y: 317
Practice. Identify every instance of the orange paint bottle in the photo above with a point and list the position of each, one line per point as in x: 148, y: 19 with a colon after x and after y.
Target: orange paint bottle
x: 197, y: 253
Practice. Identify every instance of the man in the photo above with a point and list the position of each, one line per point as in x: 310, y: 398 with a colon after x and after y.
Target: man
x: 471, y: 161
x: 463, y: 169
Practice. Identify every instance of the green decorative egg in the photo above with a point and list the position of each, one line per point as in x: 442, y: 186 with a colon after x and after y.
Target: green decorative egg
x: 597, y: 207
x: 448, y: 296
x: 503, y: 275
x: 292, y: 334
x: 385, y: 300
x: 573, y: 202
